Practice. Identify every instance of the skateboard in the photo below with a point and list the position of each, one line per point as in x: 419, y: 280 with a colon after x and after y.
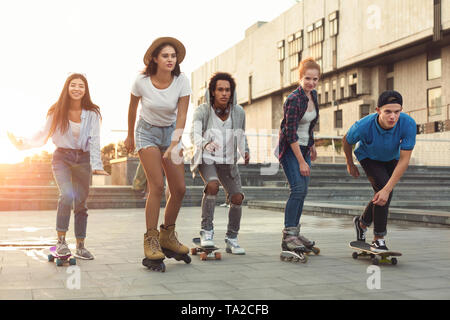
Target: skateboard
x: 60, y: 260
x: 377, y: 257
x: 206, y: 253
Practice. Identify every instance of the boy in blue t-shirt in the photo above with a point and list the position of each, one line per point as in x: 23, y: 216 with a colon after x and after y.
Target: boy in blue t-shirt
x: 386, y: 140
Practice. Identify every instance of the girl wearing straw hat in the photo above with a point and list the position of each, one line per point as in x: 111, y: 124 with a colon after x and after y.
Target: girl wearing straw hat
x: 164, y: 95
x: 73, y: 123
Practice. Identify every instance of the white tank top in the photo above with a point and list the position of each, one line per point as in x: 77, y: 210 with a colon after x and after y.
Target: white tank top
x: 303, y: 127
x: 75, y: 127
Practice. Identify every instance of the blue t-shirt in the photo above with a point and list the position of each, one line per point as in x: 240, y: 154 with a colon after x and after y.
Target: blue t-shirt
x: 379, y: 144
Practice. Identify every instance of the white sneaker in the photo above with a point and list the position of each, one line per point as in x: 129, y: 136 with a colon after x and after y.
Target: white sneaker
x: 233, y: 246
x: 207, y: 238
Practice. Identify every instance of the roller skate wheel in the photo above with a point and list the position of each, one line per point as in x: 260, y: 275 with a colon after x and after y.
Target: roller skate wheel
x: 193, y: 251
x: 203, y: 256
x: 72, y: 261
x: 59, y: 262
x: 316, y: 250
x: 218, y: 255
x: 187, y: 259
x: 51, y: 258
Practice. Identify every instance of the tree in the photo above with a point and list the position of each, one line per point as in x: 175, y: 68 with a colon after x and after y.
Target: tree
x: 109, y: 153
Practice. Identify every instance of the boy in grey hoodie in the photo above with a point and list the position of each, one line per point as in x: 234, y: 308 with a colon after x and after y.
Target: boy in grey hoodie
x: 218, y: 137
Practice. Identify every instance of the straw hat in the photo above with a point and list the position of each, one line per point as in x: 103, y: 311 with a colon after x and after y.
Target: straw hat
x: 179, y: 47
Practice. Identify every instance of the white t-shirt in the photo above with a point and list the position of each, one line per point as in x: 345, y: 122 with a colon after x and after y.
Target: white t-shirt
x: 222, y: 134
x: 159, y: 106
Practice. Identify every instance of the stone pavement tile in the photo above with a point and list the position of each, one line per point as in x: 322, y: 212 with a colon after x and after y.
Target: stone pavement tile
x: 66, y: 294
x: 258, y: 283
x: 387, y: 286
x: 13, y: 270
x: 132, y: 291
x: 197, y: 286
x: 252, y: 294
x: 15, y: 294
x: 31, y: 284
x: 223, y: 275
x: 434, y: 294
x: 15, y: 277
x: 154, y: 278
x: 192, y: 296
x: 310, y: 290
x: 427, y: 282
x: 218, y: 267
x: 376, y: 295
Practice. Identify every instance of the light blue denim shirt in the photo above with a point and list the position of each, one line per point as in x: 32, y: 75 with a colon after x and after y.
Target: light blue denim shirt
x: 89, y: 139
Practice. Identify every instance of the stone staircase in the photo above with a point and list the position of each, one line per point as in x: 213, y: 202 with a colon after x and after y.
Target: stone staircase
x: 32, y: 188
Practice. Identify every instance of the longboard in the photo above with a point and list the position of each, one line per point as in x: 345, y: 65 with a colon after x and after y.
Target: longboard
x: 377, y: 257
x: 205, y: 252
x: 60, y: 260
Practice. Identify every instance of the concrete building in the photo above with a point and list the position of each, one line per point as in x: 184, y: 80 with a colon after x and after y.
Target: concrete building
x: 364, y: 48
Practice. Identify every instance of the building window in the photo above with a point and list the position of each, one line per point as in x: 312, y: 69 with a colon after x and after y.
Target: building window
x: 434, y: 101
x: 434, y: 64
x: 281, y: 55
x: 352, y: 85
x: 364, y: 110
x: 327, y: 89
x: 390, y: 83
x: 315, y: 41
x: 295, y: 47
x: 342, y: 88
x: 333, y: 18
x: 319, y: 94
x: 334, y: 31
x: 338, y: 119
x: 250, y: 85
x: 333, y: 92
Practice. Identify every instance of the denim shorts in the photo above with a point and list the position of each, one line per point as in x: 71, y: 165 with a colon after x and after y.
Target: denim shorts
x: 148, y: 135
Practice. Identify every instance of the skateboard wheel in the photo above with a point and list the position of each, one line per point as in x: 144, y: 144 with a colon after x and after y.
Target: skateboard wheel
x: 72, y: 261
x: 394, y: 261
x: 203, y: 256
x: 51, y: 258
x: 375, y: 261
x: 193, y: 251
x: 355, y: 255
x: 218, y: 255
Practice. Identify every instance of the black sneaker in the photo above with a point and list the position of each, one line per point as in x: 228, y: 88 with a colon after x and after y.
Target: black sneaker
x: 379, y: 246
x: 360, y: 232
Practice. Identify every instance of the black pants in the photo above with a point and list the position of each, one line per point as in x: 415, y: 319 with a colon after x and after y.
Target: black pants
x: 378, y: 173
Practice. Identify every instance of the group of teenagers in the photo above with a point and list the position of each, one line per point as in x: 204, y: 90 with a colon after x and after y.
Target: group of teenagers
x: 385, y: 140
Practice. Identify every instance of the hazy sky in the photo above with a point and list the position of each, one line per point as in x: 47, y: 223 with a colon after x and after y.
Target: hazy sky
x: 43, y: 41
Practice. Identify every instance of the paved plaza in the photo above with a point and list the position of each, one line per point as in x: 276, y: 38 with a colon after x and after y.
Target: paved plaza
x: 115, y: 237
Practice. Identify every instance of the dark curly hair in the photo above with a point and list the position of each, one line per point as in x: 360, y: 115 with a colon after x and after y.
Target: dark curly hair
x: 221, y: 76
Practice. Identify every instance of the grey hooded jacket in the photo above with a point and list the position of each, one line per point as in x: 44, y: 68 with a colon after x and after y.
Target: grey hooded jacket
x: 202, y: 121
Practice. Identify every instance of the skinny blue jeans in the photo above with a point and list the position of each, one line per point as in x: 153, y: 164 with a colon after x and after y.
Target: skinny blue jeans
x: 298, y: 185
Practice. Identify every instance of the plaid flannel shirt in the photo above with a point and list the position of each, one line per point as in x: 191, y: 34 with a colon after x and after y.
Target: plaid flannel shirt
x: 294, y: 108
